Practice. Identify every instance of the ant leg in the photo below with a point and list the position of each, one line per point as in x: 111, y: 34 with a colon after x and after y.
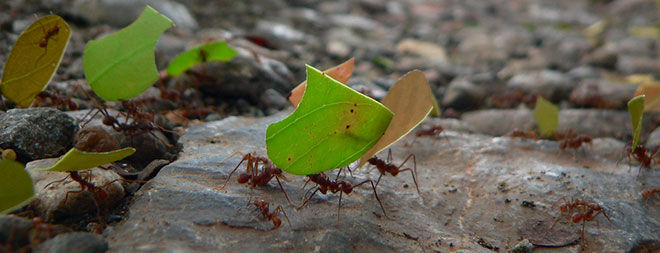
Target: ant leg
x: 378, y: 181
x: 232, y: 172
x: 373, y: 187
x: 339, y: 206
x: 414, y: 172
x: 389, y: 156
x: 285, y: 195
x: 279, y: 208
x: 56, y: 182
x: 310, y: 197
x: 414, y: 180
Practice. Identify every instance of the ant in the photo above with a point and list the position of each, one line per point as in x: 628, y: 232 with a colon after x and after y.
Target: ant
x: 643, y: 155
x: 264, y: 208
x: 650, y: 192
x: 432, y: 131
x: 254, y: 177
x: 387, y: 167
x: 48, y: 34
x: 56, y: 100
x: 522, y: 134
x: 325, y: 185
x: 581, y: 211
x: 572, y: 141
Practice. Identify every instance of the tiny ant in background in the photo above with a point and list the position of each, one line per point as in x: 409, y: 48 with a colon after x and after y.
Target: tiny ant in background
x: 649, y: 192
x: 255, y: 177
x: 522, y: 134
x: 325, y: 185
x: 264, y: 208
x: 570, y: 140
x: 56, y: 100
x: 387, y: 167
x: 432, y: 131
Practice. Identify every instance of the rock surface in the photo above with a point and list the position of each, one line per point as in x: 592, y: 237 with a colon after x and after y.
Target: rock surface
x: 477, y: 192
x: 25, y: 131
x: 75, y: 242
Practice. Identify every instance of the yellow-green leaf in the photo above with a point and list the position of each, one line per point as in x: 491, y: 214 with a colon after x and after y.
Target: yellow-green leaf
x: 636, y: 110
x: 547, y: 116
x: 215, y: 51
x: 16, y: 188
x: 122, y: 65
x: 411, y: 100
x: 76, y: 160
x: 34, y: 59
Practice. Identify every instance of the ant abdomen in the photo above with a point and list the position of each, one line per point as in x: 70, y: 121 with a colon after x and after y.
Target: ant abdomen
x: 243, y: 178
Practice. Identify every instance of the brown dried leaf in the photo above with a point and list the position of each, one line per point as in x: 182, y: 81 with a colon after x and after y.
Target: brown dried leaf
x: 341, y: 73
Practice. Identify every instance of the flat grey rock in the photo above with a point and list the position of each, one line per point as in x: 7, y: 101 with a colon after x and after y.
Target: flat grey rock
x: 473, y: 190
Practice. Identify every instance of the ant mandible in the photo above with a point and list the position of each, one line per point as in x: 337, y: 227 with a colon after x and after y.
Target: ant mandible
x: 264, y: 208
x: 254, y: 177
x: 387, y: 167
x: 325, y: 185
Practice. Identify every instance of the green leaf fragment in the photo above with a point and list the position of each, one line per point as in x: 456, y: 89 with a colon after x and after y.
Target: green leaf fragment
x: 34, y: 58
x: 332, y: 127
x: 636, y: 110
x: 547, y: 116
x: 216, y: 51
x: 16, y: 188
x: 122, y: 65
x: 76, y: 160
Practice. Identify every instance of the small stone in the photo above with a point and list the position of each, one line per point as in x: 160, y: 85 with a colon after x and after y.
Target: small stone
x: 24, y: 131
x: 14, y: 228
x: 273, y: 99
x: 50, y: 201
x: 428, y: 50
x: 523, y: 246
x: 95, y: 139
x: 550, y: 84
x: 74, y: 242
x: 463, y: 94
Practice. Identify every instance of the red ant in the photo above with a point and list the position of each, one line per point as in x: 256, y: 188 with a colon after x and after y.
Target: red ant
x: 325, y: 185
x: 432, y: 131
x: 48, y: 34
x: 387, y: 167
x: 253, y: 177
x: 57, y: 100
x: 571, y: 141
x: 643, y: 155
x: 581, y: 211
x: 264, y: 208
x: 650, y: 192
x: 522, y: 134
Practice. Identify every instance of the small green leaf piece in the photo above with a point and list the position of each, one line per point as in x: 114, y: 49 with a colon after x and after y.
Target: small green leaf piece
x: 16, y: 187
x: 76, y: 160
x: 636, y: 110
x: 332, y: 127
x: 547, y: 116
x: 215, y: 51
x: 34, y: 59
x: 122, y: 65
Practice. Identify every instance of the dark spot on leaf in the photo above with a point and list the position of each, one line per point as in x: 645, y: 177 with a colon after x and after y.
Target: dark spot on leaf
x: 348, y: 126
x: 354, y: 104
x: 351, y: 110
x: 288, y: 159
